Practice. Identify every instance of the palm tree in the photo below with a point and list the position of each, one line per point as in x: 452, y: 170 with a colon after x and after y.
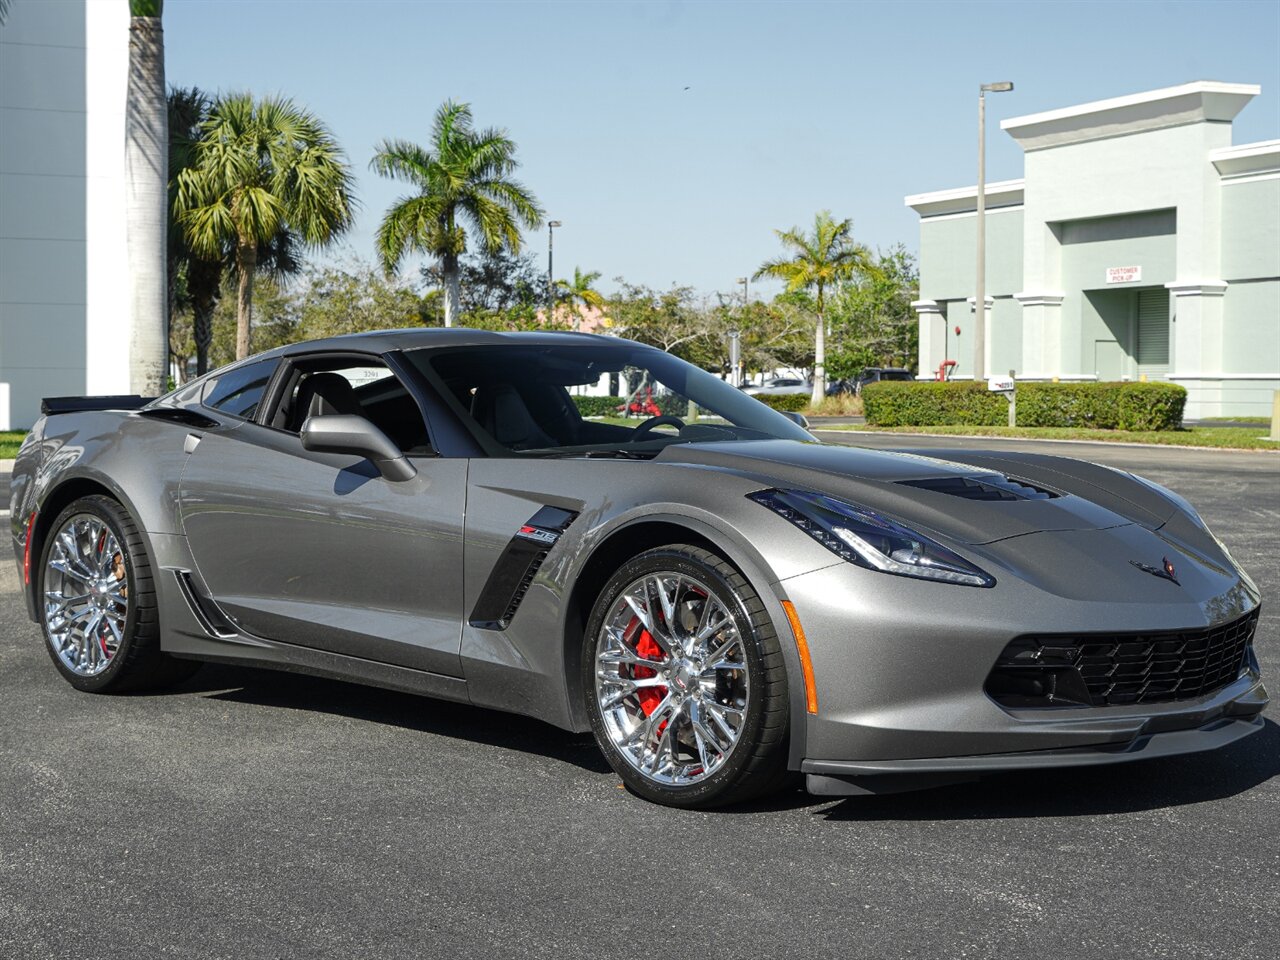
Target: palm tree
x: 264, y: 169
x: 579, y: 292
x: 818, y: 259
x: 146, y: 190
x: 465, y: 176
x: 188, y: 111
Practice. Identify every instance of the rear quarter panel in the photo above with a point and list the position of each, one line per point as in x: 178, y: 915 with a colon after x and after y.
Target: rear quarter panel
x: 135, y: 459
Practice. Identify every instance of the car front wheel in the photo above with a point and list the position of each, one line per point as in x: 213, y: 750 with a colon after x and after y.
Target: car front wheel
x: 685, y: 683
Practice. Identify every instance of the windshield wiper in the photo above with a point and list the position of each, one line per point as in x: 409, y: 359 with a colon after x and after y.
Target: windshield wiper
x: 596, y: 454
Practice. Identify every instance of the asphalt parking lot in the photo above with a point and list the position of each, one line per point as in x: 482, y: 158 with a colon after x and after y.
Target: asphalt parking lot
x: 254, y: 814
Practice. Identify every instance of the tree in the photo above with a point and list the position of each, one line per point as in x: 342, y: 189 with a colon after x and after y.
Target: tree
x: 335, y: 300
x: 491, y: 281
x: 818, y: 259
x: 266, y: 172
x: 465, y: 177
x: 580, y: 292
x: 195, y: 283
x: 872, y: 321
x: 667, y: 319
x: 146, y: 154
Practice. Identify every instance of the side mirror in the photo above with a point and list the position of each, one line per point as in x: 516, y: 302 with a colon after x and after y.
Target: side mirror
x: 796, y: 418
x: 357, y: 436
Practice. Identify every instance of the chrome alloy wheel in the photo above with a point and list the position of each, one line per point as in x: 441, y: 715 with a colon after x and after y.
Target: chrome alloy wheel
x: 671, y: 678
x: 86, y: 595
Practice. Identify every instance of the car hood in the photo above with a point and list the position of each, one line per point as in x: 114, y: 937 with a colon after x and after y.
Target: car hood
x: 1082, y: 496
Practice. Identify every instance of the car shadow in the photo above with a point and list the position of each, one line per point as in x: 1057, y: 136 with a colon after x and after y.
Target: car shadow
x: 1084, y: 791
x: 1078, y: 792
x: 272, y: 688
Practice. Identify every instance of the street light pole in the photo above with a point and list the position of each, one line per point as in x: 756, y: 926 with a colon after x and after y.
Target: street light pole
x: 735, y: 344
x: 980, y: 293
x: 746, y: 289
x: 551, y: 283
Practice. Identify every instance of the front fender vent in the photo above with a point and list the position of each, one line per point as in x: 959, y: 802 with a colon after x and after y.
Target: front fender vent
x: 990, y: 486
x: 513, y: 574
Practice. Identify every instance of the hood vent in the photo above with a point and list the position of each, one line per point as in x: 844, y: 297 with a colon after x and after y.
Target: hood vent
x: 985, y: 487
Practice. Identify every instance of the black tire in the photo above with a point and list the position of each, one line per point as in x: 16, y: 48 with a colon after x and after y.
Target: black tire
x: 756, y: 764
x: 138, y: 663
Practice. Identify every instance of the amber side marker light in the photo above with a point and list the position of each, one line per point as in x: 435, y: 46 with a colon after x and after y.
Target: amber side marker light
x: 802, y: 645
x: 26, y: 550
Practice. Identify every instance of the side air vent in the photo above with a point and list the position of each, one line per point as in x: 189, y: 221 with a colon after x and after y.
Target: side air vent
x: 212, y: 620
x: 984, y: 487
x: 513, y: 574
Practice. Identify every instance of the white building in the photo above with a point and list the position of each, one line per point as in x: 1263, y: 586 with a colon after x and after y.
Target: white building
x: 64, y: 296
x: 1141, y: 243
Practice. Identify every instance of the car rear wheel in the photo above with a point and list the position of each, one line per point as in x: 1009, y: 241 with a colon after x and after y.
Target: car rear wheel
x: 97, y: 602
x: 685, y: 684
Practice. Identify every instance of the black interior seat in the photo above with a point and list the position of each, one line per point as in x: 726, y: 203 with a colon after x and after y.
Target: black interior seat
x: 500, y: 410
x: 323, y: 394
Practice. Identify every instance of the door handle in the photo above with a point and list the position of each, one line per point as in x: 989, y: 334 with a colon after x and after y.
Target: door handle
x: 189, y: 445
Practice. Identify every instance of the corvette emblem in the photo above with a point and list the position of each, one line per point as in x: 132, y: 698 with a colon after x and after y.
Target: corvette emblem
x: 1165, y: 572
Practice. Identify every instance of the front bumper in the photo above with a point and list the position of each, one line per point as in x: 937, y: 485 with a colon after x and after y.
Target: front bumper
x: 847, y: 778
x: 900, y: 668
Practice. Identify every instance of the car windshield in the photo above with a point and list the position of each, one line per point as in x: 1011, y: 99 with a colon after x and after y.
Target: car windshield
x: 622, y: 400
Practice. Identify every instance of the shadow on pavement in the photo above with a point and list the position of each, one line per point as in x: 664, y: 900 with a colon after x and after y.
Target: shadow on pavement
x: 271, y: 688
x: 1081, y: 792
x: 1085, y: 792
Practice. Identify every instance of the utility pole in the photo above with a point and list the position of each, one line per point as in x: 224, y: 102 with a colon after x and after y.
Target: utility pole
x: 980, y: 295
x: 551, y: 281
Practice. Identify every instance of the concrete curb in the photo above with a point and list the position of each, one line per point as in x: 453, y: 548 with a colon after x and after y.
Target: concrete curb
x: 1086, y: 443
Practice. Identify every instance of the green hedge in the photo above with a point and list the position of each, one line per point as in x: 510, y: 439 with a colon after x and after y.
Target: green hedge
x: 786, y: 402
x: 1104, y: 406
x: 598, y: 406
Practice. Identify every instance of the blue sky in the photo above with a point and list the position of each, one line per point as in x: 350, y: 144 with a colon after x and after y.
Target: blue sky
x: 791, y: 107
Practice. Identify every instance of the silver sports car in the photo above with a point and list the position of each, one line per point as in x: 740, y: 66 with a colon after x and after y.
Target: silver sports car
x: 722, y: 600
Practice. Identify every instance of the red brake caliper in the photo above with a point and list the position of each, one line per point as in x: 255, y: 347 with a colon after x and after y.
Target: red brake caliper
x: 645, y: 646
x: 102, y: 626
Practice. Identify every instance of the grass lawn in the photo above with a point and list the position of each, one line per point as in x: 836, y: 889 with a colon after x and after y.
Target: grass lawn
x: 10, y: 441
x: 1238, y: 438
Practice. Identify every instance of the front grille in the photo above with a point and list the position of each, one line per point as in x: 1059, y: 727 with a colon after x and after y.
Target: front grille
x: 1103, y: 670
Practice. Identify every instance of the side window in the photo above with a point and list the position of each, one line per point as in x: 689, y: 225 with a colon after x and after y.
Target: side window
x: 238, y: 392
x: 362, y: 387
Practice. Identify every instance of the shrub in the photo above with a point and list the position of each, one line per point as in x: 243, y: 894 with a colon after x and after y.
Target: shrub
x: 598, y: 406
x: 928, y: 403
x: 1105, y: 406
x: 786, y: 402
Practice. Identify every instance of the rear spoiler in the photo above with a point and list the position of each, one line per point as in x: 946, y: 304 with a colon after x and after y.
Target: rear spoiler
x: 52, y: 405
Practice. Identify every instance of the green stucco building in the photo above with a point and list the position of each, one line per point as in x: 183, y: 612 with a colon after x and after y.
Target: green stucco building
x: 1140, y: 243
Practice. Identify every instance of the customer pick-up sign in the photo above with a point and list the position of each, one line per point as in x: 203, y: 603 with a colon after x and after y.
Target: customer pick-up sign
x: 1124, y: 274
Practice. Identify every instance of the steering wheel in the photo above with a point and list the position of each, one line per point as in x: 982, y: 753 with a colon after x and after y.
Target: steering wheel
x: 647, y: 427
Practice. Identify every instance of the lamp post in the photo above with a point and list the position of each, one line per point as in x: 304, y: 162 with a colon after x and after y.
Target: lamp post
x: 735, y: 343
x: 551, y: 282
x: 980, y: 295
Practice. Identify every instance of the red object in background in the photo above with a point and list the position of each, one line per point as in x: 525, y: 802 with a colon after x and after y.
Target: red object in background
x: 946, y: 368
x: 957, y: 331
x: 642, y: 405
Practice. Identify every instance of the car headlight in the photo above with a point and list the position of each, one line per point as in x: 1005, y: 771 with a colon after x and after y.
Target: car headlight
x: 870, y: 540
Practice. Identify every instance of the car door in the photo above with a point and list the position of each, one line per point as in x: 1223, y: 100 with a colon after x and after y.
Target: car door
x: 318, y: 549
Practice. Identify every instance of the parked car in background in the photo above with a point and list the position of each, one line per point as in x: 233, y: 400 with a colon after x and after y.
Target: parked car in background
x: 838, y: 388
x: 876, y: 374
x: 778, y: 385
